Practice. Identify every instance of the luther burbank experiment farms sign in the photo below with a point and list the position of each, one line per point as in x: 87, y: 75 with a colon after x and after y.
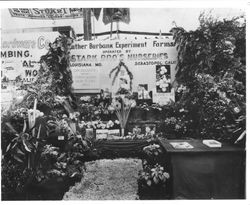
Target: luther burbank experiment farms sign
x: 91, y: 62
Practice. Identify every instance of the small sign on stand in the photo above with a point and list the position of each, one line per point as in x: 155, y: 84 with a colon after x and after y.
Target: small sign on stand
x: 60, y: 138
x: 114, y: 134
x: 89, y: 133
x: 102, y: 134
x: 163, y: 98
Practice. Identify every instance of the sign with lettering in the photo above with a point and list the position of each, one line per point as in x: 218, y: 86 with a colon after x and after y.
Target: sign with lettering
x: 47, y: 13
x: 163, y: 98
x: 92, y: 61
x: 20, y: 54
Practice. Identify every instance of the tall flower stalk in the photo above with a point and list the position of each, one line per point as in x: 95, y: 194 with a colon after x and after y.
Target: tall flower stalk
x: 122, y: 106
x: 33, y: 114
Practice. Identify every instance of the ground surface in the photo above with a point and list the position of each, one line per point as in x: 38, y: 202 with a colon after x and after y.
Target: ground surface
x: 107, y: 180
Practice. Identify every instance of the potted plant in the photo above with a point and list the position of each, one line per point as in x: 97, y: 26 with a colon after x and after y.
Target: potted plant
x: 153, y: 153
x: 152, y: 182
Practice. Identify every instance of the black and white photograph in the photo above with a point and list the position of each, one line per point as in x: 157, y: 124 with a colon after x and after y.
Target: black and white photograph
x: 131, y: 101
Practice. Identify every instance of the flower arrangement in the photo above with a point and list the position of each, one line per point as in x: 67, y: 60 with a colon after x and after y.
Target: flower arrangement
x: 94, y: 107
x: 98, y: 124
x: 177, y: 124
x: 122, y: 106
x: 147, y: 107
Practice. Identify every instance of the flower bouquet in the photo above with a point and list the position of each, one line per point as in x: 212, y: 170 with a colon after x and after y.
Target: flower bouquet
x: 122, y: 106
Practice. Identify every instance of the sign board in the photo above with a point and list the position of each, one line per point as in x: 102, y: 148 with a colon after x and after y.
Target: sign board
x: 20, y: 56
x: 163, y: 98
x: 47, y: 13
x: 92, y: 61
x: 21, y: 52
x: 116, y: 15
x: 102, y: 134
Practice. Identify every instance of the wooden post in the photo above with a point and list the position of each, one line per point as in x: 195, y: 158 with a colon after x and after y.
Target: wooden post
x: 93, y: 24
x: 111, y: 28
x: 117, y: 29
x: 87, y: 24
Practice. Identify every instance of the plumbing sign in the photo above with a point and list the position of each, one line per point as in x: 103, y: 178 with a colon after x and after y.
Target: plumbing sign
x: 20, y: 55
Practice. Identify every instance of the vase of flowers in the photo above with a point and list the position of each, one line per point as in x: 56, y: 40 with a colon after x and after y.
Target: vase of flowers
x: 122, y: 106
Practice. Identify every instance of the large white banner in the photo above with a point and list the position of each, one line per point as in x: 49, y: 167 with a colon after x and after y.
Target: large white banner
x: 151, y: 61
x: 47, y: 13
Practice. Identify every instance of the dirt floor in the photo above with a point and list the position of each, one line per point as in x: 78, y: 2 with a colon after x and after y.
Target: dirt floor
x: 107, y: 180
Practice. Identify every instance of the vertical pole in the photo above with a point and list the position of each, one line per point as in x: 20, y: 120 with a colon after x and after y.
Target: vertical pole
x: 93, y: 18
x: 87, y: 24
x: 117, y: 29
x: 111, y: 28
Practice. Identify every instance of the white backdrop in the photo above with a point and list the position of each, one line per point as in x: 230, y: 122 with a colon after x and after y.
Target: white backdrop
x: 92, y: 61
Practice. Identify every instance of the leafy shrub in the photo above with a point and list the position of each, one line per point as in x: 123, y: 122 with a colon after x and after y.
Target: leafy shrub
x: 211, y: 68
x: 152, y: 182
x: 153, y: 175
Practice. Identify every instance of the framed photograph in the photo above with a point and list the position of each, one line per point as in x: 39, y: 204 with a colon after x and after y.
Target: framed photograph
x: 143, y: 92
x: 163, y: 79
x: 114, y: 134
x: 89, y: 133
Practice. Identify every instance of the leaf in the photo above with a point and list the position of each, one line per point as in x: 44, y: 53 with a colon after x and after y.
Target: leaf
x: 16, y: 138
x: 75, y: 173
x: 24, y: 125
x: 61, y: 156
x: 39, y: 131
x: 149, y: 182
x: 8, y: 147
x: 14, y: 145
x: 165, y: 174
x: 11, y: 128
x: 26, y: 146
x: 19, y: 151
x: 156, y: 180
x: 17, y: 158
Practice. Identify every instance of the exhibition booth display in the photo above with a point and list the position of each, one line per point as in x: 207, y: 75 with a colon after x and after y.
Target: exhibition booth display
x: 87, y: 100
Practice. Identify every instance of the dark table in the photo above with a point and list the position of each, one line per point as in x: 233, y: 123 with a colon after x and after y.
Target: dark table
x: 205, y: 173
